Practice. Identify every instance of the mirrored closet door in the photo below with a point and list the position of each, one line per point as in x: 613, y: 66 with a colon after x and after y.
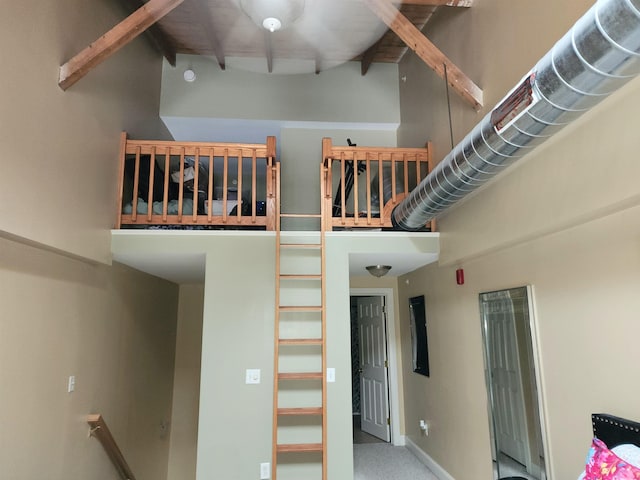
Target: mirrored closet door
x: 511, y: 376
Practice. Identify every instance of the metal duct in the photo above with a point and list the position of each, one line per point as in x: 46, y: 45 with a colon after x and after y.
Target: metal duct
x: 596, y: 57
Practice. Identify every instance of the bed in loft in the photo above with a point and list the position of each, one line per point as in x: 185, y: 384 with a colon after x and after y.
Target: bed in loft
x: 197, y: 185
x: 207, y: 185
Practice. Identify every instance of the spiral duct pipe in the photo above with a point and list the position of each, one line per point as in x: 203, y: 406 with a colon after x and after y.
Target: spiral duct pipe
x: 597, y: 56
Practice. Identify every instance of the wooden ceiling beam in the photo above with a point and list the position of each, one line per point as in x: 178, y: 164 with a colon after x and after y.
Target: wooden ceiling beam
x: 154, y: 33
x: 204, y: 16
x: 268, y: 50
x: 114, y: 40
x: 368, y: 56
x: 426, y: 50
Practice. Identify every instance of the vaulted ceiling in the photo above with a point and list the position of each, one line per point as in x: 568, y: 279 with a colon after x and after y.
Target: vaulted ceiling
x: 327, y: 33
x: 319, y: 34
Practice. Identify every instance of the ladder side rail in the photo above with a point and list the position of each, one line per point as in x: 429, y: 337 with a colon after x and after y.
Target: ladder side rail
x: 276, y: 334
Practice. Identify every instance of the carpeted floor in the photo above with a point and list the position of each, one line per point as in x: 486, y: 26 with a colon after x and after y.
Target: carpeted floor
x: 383, y: 461
x: 362, y: 437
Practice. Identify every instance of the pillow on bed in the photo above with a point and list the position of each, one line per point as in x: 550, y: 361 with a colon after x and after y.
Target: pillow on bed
x: 629, y: 453
x: 604, y: 464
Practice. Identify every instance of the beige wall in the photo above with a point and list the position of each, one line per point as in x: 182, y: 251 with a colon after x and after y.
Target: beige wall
x: 186, y: 384
x: 110, y: 327
x: 58, y: 183
x: 114, y: 329
x: 563, y: 220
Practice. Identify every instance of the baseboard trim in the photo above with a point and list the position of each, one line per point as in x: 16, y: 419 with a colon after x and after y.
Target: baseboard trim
x: 399, y: 441
x: 431, y: 464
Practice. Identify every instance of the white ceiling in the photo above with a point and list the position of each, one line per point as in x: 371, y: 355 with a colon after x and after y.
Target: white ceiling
x: 401, y: 263
x: 181, y: 268
x: 188, y: 268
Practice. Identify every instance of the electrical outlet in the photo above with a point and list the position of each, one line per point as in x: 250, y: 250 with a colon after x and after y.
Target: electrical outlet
x: 265, y: 471
x: 71, y: 384
x: 424, y: 426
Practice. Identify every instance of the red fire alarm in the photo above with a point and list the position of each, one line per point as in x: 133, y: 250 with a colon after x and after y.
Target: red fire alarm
x: 460, y: 276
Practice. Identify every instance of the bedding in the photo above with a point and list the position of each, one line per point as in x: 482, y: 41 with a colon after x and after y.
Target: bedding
x: 605, y: 464
x: 217, y: 206
x: 156, y: 208
x: 615, y: 450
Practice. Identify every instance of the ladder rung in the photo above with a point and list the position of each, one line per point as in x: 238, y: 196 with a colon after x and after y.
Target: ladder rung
x: 300, y: 245
x: 299, y: 448
x: 300, y: 411
x: 300, y: 215
x: 294, y: 276
x: 300, y: 341
x: 300, y: 376
x: 299, y: 308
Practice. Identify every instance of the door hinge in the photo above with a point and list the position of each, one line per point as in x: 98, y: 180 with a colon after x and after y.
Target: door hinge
x: 386, y: 364
x: 388, y: 421
x: 384, y: 309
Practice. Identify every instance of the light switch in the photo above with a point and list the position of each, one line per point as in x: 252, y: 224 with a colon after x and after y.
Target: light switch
x: 253, y: 376
x: 331, y: 375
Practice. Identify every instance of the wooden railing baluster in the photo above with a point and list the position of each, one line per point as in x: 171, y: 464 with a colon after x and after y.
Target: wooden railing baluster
x: 216, y: 210
x: 409, y: 158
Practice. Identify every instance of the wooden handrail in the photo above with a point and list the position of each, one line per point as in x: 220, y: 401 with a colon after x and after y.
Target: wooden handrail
x: 163, y: 199
x: 100, y: 430
x: 390, y: 164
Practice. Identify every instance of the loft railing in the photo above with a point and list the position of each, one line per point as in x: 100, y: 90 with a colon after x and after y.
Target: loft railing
x: 100, y: 431
x: 364, y: 184
x: 166, y: 183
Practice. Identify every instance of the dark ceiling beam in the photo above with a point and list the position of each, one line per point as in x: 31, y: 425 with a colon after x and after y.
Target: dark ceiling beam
x: 427, y: 51
x: 204, y: 15
x: 268, y: 50
x: 368, y: 56
x: 114, y: 40
x: 154, y: 33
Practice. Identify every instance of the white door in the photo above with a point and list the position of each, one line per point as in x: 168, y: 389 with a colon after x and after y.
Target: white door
x: 373, y: 362
x: 506, y: 381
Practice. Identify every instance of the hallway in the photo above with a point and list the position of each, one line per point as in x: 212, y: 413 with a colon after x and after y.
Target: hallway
x: 374, y: 459
x: 383, y: 461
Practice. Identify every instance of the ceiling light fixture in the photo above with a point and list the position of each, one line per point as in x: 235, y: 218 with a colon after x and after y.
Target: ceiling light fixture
x: 189, y: 75
x: 273, y: 15
x: 272, y: 24
x: 378, y: 270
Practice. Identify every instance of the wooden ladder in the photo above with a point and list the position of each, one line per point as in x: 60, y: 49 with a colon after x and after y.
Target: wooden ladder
x: 308, y: 339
